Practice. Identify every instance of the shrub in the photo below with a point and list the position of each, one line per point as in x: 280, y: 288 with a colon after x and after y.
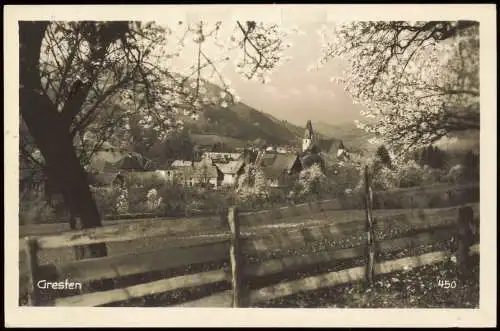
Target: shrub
x: 144, y: 179
x: 252, y: 199
x: 122, y: 203
x: 276, y: 196
x: 312, y: 179
x: 33, y: 209
x: 341, y: 180
x: 108, y: 200
x: 404, y: 175
x: 174, y: 198
x: 153, y: 199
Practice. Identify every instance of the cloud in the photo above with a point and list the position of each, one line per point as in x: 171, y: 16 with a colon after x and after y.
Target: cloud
x: 270, y: 89
x: 312, y: 88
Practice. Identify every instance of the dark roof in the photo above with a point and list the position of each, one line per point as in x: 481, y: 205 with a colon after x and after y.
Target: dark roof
x: 199, y: 170
x: 132, y: 161
x: 102, y: 159
x: 330, y: 146
x: 231, y: 167
x: 275, y: 164
x: 131, y: 176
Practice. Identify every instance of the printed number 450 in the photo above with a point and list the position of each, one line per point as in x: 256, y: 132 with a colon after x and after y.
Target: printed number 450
x: 447, y: 284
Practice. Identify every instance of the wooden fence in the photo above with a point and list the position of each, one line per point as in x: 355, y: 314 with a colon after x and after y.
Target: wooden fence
x: 258, y: 245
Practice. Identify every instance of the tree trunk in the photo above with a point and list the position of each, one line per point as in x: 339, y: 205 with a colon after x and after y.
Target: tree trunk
x: 51, y: 135
x: 70, y: 179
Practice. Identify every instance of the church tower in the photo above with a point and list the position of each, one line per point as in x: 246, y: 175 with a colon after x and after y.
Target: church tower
x: 309, y: 137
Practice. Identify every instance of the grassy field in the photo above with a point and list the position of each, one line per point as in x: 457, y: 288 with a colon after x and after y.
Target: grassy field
x: 411, y: 288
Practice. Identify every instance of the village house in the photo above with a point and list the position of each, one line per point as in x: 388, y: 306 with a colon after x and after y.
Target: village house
x: 181, y: 164
x: 167, y: 174
x: 190, y: 173
x: 105, y: 158
x: 279, y: 164
x: 109, y: 164
x: 278, y: 168
x: 130, y: 162
x: 323, y: 152
x: 203, y: 174
x: 282, y: 150
x: 231, y: 171
x: 221, y: 156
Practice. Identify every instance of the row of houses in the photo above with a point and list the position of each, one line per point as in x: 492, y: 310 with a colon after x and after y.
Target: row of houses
x: 223, y: 169
x: 214, y: 169
x: 205, y: 173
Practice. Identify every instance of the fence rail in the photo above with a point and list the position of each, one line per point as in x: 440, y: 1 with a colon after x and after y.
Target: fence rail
x: 236, y: 244
x: 431, y: 196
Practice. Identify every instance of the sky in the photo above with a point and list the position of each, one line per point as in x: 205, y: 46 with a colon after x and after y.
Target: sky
x: 296, y: 94
x: 293, y: 93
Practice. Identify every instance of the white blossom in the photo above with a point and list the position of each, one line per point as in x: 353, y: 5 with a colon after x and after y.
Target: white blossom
x: 421, y: 87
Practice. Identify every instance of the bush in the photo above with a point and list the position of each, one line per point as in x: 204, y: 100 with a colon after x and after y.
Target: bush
x: 312, y: 179
x: 145, y: 200
x: 177, y: 200
x: 147, y: 180
x: 252, y: 200
x: 106, y: 199
x: 341, y: 180
x: 174, y: 198
x: 336, y: 182
x: 34, y: 209
x: 276, y: 196
x: 405, y: 175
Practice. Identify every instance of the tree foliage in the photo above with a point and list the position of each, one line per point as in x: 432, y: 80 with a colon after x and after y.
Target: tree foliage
x: 384, y: 156
x: 417, y: 81
x: 432, y: 156
x: 81, y: 84
x: 109, y: 80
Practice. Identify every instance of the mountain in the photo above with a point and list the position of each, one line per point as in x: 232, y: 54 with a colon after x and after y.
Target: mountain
x: 458, y: 143
x: 353, y: 137
x: 240, y: 123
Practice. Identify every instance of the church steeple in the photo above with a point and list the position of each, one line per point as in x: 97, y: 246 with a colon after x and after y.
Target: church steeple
x: 309, y: 132
x: 309, y: 137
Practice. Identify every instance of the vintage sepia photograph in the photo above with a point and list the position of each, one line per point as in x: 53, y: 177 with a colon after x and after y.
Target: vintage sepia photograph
x: 236, y: 161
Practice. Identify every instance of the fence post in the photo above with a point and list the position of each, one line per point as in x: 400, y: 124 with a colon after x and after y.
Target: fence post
x: 31, y: 250
x: 370, y: 233
x: 235, y: 256
x: 464, y: 240
x: 74, y: 225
